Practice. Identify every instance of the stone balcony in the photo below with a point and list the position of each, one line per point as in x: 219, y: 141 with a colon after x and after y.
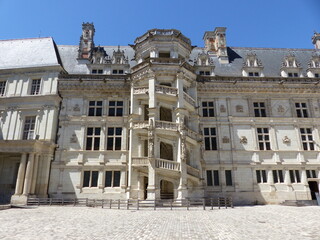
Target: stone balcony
x: 159, y: 163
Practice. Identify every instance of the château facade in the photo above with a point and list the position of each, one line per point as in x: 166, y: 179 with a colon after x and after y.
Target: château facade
x: 161, y: 119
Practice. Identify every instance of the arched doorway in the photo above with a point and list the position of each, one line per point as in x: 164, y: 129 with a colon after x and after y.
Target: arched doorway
x: 166, y: 190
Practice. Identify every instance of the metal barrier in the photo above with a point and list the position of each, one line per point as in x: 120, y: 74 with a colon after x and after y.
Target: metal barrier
x: 135, y: 204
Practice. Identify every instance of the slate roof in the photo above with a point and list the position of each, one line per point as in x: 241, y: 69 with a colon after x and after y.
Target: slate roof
x: 26, y: 53
x: 271, y: 59
x: 69, y: 55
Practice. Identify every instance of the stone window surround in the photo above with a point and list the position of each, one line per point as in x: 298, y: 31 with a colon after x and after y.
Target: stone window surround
x: 213, y: 178
x: 261, y: 176
x: 3, y: 84
x: 94, y: 138
x: 264, y: 144
x: 35, y: 86
x: 211, y: 138
x: 307, y: 139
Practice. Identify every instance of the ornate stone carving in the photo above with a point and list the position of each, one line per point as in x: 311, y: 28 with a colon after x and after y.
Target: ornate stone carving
x: 281, y: 109
x: 76, y: 108
x: 223, y: 109
x: 243, y: 140
x: 239, y: 108
x: 286, y: 139
x: 73, y: 138
x: 225, y: 139
x: 151, y: 139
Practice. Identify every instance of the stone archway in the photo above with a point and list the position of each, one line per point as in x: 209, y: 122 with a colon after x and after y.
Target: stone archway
x: 166, y: 189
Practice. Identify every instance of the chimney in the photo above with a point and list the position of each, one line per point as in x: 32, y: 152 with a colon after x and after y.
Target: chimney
x: 215, y: 42
x: 316, y: 40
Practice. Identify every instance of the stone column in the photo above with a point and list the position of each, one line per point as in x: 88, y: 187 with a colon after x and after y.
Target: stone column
x: 28, y: 176
x: 21, y: 173
x: 35, y: 173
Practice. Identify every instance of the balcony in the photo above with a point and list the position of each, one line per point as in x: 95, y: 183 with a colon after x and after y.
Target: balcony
x: 189, y: 100
x: 193, y: 171
x: 167, y: 164
x: 164, y: 125
x: 140, y: 161
x: 166, y: 90
x: 140, y: 125
x: 140, y: 90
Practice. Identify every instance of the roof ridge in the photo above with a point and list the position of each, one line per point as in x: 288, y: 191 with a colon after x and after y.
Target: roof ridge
x: 20, y: 39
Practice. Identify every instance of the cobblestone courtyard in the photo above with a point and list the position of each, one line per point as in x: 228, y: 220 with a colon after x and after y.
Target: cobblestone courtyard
x: 258, y: 222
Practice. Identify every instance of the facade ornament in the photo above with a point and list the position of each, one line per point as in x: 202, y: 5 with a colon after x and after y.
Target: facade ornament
x: 243, y: 140
x: 223, y: 109
x: 225, y: 139
x: 73, y: 138
x: 281, y: 109
x: 286, y: 139
x: 239, y: 108
x: 76, y: 108
x: 151, y: 139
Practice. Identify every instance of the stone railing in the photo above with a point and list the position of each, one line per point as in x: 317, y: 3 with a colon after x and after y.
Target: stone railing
x: 167, y: 164
x: 140, y: 161
x: 140, y: 90
x: 140, y: 125
x: 166, y: 90
x: 193, y: 171
x: 166, y: 125
x: 192, y: 134
x: 165, y: 60
x: 189, y: 99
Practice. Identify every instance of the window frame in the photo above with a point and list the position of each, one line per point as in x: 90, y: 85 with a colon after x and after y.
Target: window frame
x: 114, y: 139
x: 301, y: 109
x: 208, y: 108
x: 112, y: 179
x: 95, y: 139
x: 3, y: 85
x: 31, y: 130
x: 91, y: 179
x: 93, y: 105
x: 258, y: 109
x: 35, y: 88
x: 261, y: 175
x: 295, y: 176
x: 213, y: 179
x: 210, y: 138
x: 263, y: 143
x: 115, y: 108
x: 311, y: 173
x: 307, y: 140
x: 277, y: 175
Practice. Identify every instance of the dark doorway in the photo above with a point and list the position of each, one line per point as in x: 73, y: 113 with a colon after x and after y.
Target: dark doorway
x: 145, y: 185
x: 166, y: 190
x: 314, y: 188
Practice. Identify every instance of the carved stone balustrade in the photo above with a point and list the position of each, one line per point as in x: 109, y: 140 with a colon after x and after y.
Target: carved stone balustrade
x: 189, y: 99
x: 167, y: 164
x: 166, y: 125
x: 166, y: 90
x: 140, y: 125
x: 193, y: 171
x: 140, y: 90
x: 140, y: 161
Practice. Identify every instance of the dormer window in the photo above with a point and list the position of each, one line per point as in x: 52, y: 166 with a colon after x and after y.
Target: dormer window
x: 290, y: 66
x: 117, y: 71
x: 204, y: 73
x: 97, y: 71
x: 314, y: 65
x: 252, y: 66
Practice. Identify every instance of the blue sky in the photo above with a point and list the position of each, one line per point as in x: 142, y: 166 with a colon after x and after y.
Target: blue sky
x: 250, y: 23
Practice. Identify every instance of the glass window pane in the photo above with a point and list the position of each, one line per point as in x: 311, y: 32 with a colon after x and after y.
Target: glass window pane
x: 118, y: 131
x: 110, y: 131
x: 89, y: 131
x: 216, y: 177
x: 96, y: 143
x: 110, y: 144
x: 86, y: 178
x: 118, y: 144
x: 108, y: 179
x: 116, y: 178
x: 209, y: 178
x: 94, y: 180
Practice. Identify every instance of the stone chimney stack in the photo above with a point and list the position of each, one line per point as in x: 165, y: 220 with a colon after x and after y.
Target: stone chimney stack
x: 86, y: 44
x: 316, y: 40
x: 215, y: 43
